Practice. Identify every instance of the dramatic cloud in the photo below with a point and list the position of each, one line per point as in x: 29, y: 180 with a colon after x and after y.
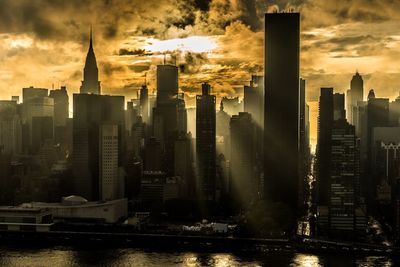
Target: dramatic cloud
x: 44, y: 43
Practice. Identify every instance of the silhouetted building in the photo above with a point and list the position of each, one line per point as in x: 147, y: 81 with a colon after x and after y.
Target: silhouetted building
x: 394, y: 112
x: 222, y: 131
x: 243, y: 183
x: 304, y: 146
x: 42, y: 131
x: 354, y: 95
x: 109, y: 186
x: 254, y: 104
x: 167, y: 82
x: 90, y: 112
x: 90, y: 83
x: 205, y: 142
x: 61, y: 115
x: 32, y: 92
x: 339, y: 113
x: 377, y: 116
x: 323, y: 153
x: 10, y: 127
x: 342, y: 201
x: 183, y: 162
x: 281, y: 145
x: 34, y: 106
x: 144, y: 104
x: 153, y: 155
x: 61, y: 106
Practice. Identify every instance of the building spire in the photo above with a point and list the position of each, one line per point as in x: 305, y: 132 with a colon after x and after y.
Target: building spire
x: 91, y: 37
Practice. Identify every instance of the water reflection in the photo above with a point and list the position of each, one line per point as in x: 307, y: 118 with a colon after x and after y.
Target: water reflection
x: 306, y: 260
x: 63, y: 256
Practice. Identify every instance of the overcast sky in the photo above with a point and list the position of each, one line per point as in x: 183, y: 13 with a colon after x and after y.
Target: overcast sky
x: 44, y: 42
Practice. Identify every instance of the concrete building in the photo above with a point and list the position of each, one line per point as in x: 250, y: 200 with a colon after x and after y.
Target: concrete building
x: 31, y: 219
x: 78, y: 209
x: 108, y: 162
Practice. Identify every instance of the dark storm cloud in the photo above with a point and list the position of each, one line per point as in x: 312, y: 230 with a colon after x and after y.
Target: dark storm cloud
x: 109, y: 68
x: 134, y: 52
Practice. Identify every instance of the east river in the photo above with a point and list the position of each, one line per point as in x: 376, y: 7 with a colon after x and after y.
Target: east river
x: 67, y: 256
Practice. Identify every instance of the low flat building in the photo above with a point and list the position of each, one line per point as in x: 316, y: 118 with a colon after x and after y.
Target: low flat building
x: 78, y: 209
x: 30, y: 219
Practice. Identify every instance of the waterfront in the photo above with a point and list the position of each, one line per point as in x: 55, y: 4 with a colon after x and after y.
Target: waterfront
x: 67, y: 256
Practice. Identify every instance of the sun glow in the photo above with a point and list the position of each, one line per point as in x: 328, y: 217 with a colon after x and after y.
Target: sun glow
x: 196, y: 44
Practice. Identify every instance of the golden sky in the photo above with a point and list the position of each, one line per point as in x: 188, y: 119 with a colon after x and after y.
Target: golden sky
x: 44, y: 42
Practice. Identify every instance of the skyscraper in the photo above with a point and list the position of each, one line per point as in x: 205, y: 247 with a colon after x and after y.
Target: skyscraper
x: 61, y: 106
x: 90, y: 113
x: 167, y: 82
x: 342, y: 177
x: 325, y: 124
x: 243, y: 183
x: 205, y: 142
x: 339, y: 113
x: 354, y: 95
x: 281, y: 117
x: 10, y: 128
x: 108, y: 142
x: 90, y: 83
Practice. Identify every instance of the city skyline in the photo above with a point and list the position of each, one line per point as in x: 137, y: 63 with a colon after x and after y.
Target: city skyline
x: 204, y: 38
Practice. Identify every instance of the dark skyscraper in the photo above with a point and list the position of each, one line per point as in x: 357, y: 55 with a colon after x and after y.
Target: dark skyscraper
x: 167, y: 82
x: 90, y: 83
x: 281, y: 119
x: 205, y: 142
x: 354, y: 95
x: 339, y: 113
x: 325, y: 124
x: 90, y: 113
x: 243, y: 184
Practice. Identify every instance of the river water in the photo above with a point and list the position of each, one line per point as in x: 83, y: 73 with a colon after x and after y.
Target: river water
x: 66, y: 256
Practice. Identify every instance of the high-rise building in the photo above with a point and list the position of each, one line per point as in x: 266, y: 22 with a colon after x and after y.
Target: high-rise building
x: 342, y: 201
x: 354, y: 95
x: 90, y: 83
x: 108, y: 146
x: 90, y: 112
x: 10, y: 128
x: 394, y: 112
x: 243, y: 183
x: 32, y: 92
x: 377, y: 116
x: 223, y: 132
x: 61, y: 115
x: 144, y: 104
x: 254, y: 104
x: 61, y: 106
x: 205, y: 143
x: 183, y: 162
x: 42, y: 132
x: 339, y: 113
x: 153, y: 155
x: 323, y: 153
x: 36, y: 104
x: 167, y: 82
x: 281, y: 115
x: 304, y: 146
